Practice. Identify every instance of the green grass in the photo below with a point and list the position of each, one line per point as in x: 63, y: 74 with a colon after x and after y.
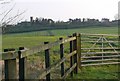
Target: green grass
x: 98, y: 72
x: 96, y: 30
x: 31, y: 39
x: 66, y: 32
x: 15, y: 42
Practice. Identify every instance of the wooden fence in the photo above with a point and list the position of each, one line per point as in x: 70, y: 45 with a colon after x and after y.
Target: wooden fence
x: 77, y: 56
x: 12, y: 57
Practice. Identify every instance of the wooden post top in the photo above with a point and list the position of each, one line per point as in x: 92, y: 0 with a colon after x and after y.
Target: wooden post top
x: 46, y: 42
x: 60, y: 38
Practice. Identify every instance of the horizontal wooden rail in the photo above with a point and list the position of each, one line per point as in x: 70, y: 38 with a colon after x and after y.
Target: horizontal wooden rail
x: 99, y: 34
x: 102, y: 56
x: 40, y: 48
x: 100, y: 48
x: 101, y: 41
x: 69, y: 71
x: 9, y: 55
x: 83, y: 61
x: 52, y: 67
x: 90, y: 53
x: 100, y: 64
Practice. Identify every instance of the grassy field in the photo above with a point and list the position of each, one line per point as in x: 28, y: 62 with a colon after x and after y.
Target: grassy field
x: 16, y: 41
x: 31, y: 39
x: 64, y: 32
x: 98, y: 72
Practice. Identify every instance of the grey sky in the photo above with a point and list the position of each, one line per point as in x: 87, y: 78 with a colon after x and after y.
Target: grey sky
x: 65, y: 9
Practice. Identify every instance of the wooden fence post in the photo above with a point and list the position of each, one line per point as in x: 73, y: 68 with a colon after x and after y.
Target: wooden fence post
x: 71, y: 58
x: 79, y: 49
x: 75, y: 56
x: 61, y: 56
x: 118, y: 40
x: 10, y: 67
x: 22, y: 64
x: 47, y: 61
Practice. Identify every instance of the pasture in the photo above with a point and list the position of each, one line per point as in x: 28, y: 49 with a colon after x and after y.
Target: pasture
x: 30, y: 39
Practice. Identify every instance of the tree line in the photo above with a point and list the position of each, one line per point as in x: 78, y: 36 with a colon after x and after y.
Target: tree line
x: 39, y: 24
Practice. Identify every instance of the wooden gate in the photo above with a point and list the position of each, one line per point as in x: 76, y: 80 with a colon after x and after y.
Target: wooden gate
x: 99, y: 49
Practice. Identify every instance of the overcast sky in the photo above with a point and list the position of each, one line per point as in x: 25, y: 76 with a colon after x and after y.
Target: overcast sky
x: 65, y: 9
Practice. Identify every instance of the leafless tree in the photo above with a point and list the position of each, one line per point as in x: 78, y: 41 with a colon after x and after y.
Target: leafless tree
x: 6, y: 17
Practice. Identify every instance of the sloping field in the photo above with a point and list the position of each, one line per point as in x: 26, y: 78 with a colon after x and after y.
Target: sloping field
x: 31, y: 39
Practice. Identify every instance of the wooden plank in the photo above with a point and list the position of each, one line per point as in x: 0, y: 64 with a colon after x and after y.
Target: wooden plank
x: 99, y: 34
x: 6, y: 69
x: 100, y: 41
x: 79, y: 49
x: 9, y: 55
x: 10, y: 68
x: 47, y: 61
x: 83, y: 61
x: 50, y: 45
x: 68, y: 39
x: 90, y: 53
x: 61, y: 56
x: 100, y: 48
x: 22, y: 65
x: 52, y: 67
x: 75, y: 56
x: 101, y: 56
x: 69, y: 71
x: 71, y: 58
x: 100, y: 64
x: 6, y: 66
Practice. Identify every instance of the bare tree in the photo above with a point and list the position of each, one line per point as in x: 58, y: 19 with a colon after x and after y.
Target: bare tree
x: 5, y: 16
